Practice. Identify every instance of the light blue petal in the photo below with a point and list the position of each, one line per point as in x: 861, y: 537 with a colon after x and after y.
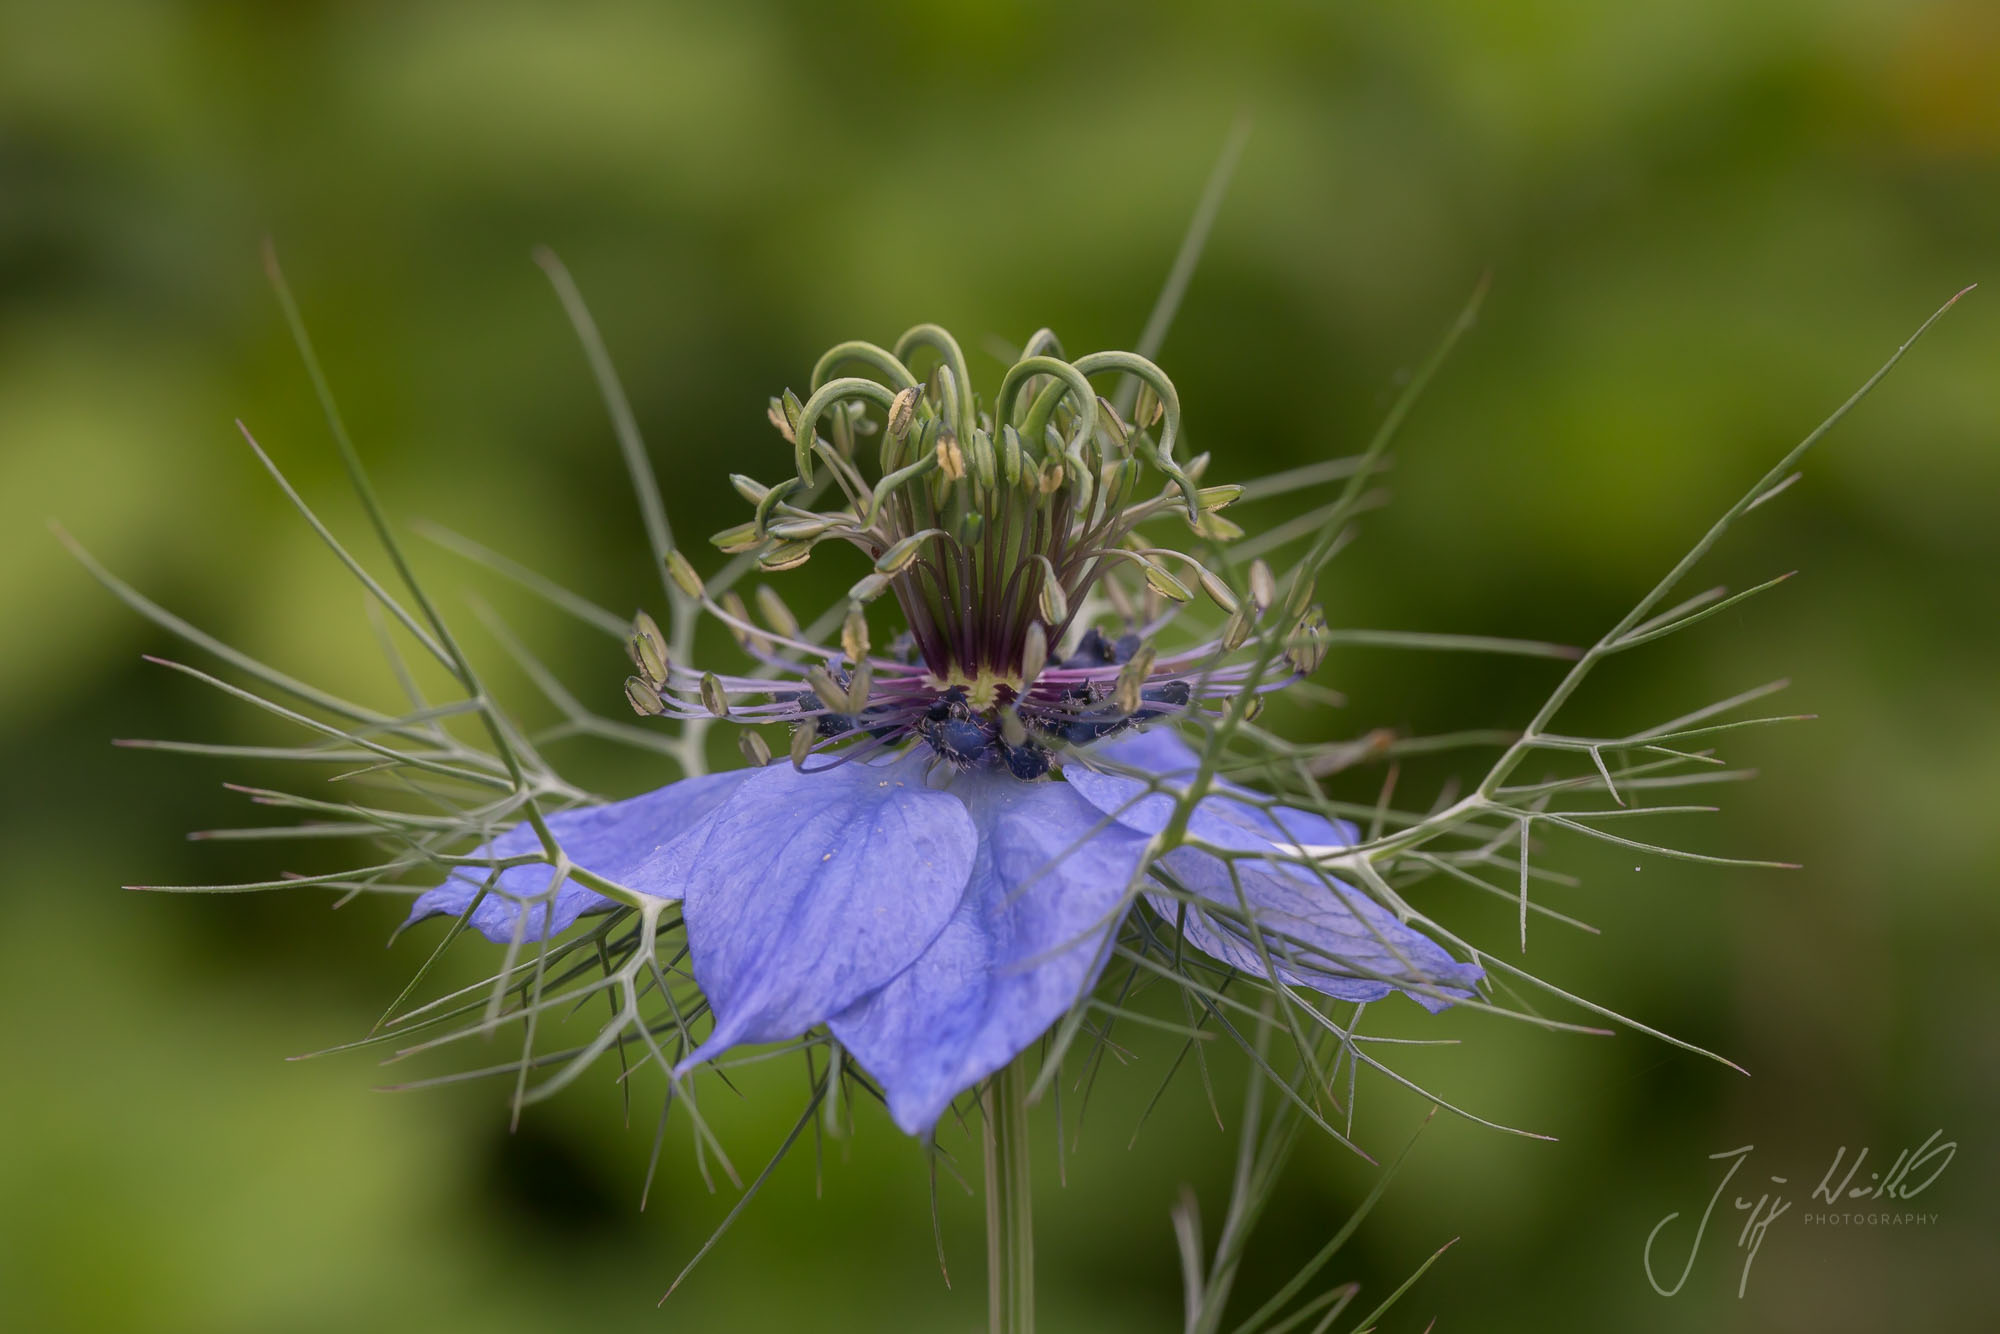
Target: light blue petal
x: 807, y: 891
x: 1160, y: 751
x: 1027, y: 942
x: 1320, y: 933
x: 616, y: 841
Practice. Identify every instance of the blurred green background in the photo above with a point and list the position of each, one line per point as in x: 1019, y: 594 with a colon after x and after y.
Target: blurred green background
x: 1706, y: 222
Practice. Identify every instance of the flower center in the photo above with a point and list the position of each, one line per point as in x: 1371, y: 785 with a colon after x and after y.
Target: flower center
x: 1000, y: 532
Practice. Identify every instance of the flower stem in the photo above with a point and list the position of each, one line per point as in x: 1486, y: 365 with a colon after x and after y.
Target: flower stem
x: 1010, y: 1221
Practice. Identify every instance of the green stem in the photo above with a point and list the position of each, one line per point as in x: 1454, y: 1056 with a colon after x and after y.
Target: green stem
x: 1010, y: 1212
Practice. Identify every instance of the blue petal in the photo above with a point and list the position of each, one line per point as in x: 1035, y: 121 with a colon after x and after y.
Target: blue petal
x: 1160, y: 751
x: 807, y: 891
x: 616, y: 841
x: 1320, y: 933
x: 1028, y: 940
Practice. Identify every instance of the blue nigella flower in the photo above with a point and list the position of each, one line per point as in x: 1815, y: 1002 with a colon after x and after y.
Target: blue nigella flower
x: 940, y: 873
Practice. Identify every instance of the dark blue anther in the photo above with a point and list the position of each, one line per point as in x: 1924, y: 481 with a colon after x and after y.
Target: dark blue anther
x: 830, y: 723
x: 1026, y: 762
x: 1176, y: 693
x: 1093, y: 650
x: 961, y: 739
x: 950, y: 705
x: 826, y: 724
x: 1083, y: 731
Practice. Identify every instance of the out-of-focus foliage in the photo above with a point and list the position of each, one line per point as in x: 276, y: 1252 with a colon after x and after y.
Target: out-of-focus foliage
x: 1706, y: 223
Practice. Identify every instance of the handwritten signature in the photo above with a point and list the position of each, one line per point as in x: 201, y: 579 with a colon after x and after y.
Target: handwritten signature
x: 1905, y: 1179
